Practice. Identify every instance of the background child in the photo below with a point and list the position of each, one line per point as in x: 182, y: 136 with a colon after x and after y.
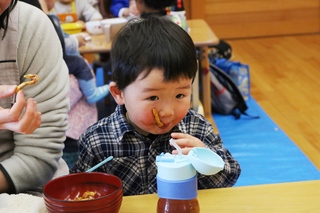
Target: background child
x: 154, y: 7
x: 72, y: 42
x: 77, y: 65
x: 153, y: 67
x: 83, y: 10
x: 80, y: 68
x: 95, y: 4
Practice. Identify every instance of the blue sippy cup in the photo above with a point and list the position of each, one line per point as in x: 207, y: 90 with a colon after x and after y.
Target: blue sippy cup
x: 177, y: 174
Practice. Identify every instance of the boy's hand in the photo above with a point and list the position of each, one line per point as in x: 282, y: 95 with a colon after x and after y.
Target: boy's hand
x: 186, y: 142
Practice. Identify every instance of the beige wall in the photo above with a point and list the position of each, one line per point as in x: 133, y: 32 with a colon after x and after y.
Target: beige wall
x: 255, y: 18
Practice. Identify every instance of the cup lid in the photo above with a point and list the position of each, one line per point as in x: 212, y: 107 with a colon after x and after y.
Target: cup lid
x: 205, y: 161
x: 174, y: 167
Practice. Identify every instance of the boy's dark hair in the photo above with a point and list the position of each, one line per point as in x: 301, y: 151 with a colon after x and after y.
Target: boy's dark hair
x: 155, y: 42
x: 156, y: 4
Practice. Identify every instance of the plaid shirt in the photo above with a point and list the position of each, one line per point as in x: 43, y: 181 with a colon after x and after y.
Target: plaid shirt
x: 134, y: 155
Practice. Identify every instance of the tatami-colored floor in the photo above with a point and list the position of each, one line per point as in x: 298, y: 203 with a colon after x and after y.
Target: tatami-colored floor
x: 285, y: 81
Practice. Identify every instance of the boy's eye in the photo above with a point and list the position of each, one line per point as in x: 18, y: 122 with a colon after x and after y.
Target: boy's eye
x: 180, y: 96
x: 153, y: 98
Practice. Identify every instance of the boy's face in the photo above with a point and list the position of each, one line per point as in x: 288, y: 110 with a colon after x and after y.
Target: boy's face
x: 170, y: 99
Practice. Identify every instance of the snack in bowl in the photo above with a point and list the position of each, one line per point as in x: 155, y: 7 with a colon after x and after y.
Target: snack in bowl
x: 84, y: 192
x: 87, y: 195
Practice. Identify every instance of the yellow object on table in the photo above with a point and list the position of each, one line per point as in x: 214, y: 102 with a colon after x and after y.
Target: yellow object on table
x: 72, y: 28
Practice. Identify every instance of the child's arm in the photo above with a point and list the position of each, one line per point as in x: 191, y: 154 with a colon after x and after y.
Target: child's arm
x: 225, y: 178
x: 120, y: 8
x: 89, y: 13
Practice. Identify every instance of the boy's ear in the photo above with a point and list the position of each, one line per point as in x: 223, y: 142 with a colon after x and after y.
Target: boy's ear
x: 116, y: 93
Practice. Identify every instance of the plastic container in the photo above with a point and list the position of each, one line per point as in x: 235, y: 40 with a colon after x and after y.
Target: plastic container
x: 177, y: 178
x: 178, y: 9
x: 181, y: 206
x: 178, y: 6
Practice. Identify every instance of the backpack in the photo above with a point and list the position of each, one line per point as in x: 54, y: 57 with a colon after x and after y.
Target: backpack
x: 226, y: 97
x: 238, y: 72
x: 221, y: 50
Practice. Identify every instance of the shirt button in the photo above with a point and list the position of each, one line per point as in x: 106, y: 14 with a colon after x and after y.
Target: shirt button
x: 154, y: 172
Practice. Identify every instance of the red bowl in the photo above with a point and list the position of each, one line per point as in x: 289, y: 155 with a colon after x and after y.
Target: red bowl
x: 59, y: 194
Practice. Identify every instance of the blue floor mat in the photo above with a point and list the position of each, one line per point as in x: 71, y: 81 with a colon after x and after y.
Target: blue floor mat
x: 265, y: 153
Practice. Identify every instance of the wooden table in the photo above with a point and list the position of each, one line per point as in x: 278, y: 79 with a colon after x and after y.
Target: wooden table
x: 283, y: 197
x: 202, y: 36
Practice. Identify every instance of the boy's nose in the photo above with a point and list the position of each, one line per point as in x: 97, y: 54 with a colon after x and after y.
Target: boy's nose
x: 166, y: 111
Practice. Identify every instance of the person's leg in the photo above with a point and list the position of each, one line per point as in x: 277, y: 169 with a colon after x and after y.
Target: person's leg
x: 82, y: 71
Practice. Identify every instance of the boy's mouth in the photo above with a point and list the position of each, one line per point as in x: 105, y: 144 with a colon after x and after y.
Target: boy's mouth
x: 157, y: 118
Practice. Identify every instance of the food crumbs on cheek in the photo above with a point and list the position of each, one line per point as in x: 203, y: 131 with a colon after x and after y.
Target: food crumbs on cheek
x: 157, y: 118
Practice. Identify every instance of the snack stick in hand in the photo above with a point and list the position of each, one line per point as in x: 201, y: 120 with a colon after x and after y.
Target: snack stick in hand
x: 34, y: 80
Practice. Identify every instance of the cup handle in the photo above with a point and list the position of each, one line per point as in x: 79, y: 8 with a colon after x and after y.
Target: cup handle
x: 107, y: 33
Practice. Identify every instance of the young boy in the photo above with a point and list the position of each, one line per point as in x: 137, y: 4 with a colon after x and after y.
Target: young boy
x: 153, y: 66
x: 150, y: 7
x: 80, y: 11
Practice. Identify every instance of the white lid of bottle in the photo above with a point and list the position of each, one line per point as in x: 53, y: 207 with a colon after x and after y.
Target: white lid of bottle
x: 205, y: 161
x: 174, y: 167
x: 183, y: 167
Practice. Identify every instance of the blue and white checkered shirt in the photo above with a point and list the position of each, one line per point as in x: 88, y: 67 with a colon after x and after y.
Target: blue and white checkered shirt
x: 135, y: 155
